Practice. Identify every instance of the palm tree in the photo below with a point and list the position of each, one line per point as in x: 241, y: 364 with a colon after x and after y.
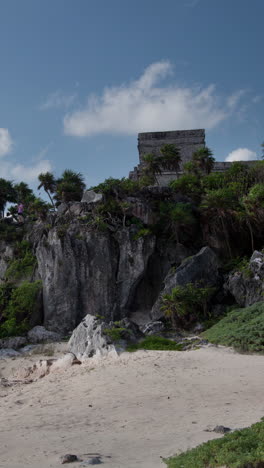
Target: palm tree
x: 221, y: 205
x: 153, y: 166
x: 24, y: 193
x: 70, y: 186
x: 203, y: 158
x: 48, y: 183
x: 7, y: 194
x: 177, y: 217
x: 171, y: 158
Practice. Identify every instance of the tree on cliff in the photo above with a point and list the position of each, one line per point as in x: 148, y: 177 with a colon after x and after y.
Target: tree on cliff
x: 70, y: 186
x: 152, y: 166
x: 171, y: 158
x: 24, y: 193
x: 204, y: 160
x: 48, y: 183
x: 7, y: 194
x: 176, y: 217
x: 219, y: 207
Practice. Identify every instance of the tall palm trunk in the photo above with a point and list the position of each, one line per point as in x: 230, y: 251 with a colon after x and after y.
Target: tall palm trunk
x: 49, y: 195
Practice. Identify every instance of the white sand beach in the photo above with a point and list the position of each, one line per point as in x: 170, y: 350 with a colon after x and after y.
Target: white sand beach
x: 130, y: 411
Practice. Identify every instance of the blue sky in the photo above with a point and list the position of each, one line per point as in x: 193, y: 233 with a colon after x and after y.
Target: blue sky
x: 80, y: 78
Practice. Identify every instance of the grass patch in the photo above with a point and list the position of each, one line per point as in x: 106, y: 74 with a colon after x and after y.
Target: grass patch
x: 240, y: 449
x: 242, y: 328
x: 115, y: 334
x: 156, y: 343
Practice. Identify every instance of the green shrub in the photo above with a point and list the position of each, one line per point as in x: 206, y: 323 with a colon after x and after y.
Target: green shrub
x: 156, y: 343
x: 22, y: 266
x: 116, y: 187
x: 19, y: 308
x: 240, y: 449
x: 187, y: 184
x: 11, y: 232
x: 187, y: 304
x: 115, y: 334
x: 143, y: 232
x: 241, y: 328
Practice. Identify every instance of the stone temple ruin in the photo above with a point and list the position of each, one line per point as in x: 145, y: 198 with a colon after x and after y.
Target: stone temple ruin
x: 187, y: 141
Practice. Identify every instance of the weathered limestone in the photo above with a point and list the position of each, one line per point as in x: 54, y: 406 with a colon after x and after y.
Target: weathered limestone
x: 89, y: 196
x: 247, y: 286
x: 202, y: 267
x: 39, y: 334
x: 6, y: 254
x: 13, y: 342
x: 88, y: 339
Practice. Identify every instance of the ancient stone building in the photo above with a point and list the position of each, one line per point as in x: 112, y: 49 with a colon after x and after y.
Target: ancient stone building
x: 187, y: 141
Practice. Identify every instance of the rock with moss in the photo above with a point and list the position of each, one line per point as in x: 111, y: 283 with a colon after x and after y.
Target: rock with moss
x: 201, y: 268
x: 246, y: 283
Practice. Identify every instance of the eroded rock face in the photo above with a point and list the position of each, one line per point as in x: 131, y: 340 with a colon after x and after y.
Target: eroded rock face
x: 202, y: 267
x: 6, y: 254
x: 88, y: 339
x: 247, y: 286
x: 91, y: 272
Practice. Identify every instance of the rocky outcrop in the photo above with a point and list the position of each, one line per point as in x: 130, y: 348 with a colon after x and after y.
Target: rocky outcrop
x: 85, y: 271
x: 39, y: 334
x: 89, y: 340
x: 89, y: 196
x: 247, y: 285
x: 6, y: 254
x: 200, y: 268
x: 13, y: 342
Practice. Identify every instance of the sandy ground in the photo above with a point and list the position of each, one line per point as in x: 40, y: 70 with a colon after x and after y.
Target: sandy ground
x: 131, y: 411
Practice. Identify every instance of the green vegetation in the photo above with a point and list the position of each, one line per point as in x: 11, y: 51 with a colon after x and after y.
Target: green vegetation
x: 187, y: 304
x: 22, y: 266
x: 117, y: 187
x: 169, y: 160
x: 16, y: 307
x: 143, y: 232
x: 69, y: 187
x: 11, y: 232
x: 177, y: 219
x: 7, y: 194
x: 156, y: 343
x: 203, y: 159
x: 241, y: 328
x: 240, y: 449
x: 115, y: 334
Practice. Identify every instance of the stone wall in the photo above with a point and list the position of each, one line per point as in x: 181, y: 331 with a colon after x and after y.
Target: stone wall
x: 187, y: 141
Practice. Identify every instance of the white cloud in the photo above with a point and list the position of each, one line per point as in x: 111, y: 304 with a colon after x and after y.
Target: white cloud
x: 241, y: 154
x: 18, y: 172
x: 142, y: 106
x: 6, y: 142
x: 58, y: 100
x: 30, y: 173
